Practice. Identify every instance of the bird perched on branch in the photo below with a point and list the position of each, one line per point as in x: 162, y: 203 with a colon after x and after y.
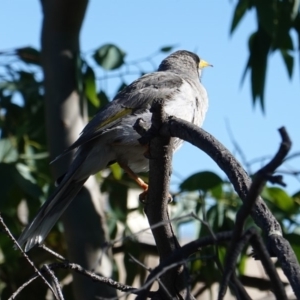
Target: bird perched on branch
x: 109, y: 137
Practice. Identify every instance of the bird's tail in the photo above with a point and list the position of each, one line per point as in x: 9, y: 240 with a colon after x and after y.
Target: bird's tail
x: 49, y: 213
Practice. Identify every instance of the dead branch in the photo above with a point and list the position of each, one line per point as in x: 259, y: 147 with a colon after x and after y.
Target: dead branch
x: 257, y: 185
x: 260, y: 213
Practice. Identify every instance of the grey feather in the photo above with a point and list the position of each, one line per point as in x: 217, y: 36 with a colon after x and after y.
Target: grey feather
x: 109, y: 137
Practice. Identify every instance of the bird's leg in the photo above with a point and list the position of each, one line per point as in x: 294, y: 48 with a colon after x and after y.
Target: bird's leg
x: 137, y: 179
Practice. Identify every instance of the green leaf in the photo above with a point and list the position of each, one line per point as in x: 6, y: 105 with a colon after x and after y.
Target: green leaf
x: 112, y: 227
x: 166, y: 48
x: 109, y: 57
x: 79, y: 64
x: 267, y: 15
x: 90, y: 86
x: 285, y: 41
x: 122, y: 87
x: 239, y: 12
x: 25, y: 172
x: 294, y: 241
x: 216, y: 215
x: 130, y: 266
x: 297, y: 195
x: 295, y: 9
x: 279, y: 198
x: 222, y: 254
x: 201, y: 181
x: 217, y: 192
x: 259, y: 48
x: 242, y: 264
x: 116, y: 171
x: 103, y: 98
x: 8, y: 152
x: 29, y: 55
x: 16, y: 183
x: 7, y: 184
x: 289, y: 62
x: 9, y: 86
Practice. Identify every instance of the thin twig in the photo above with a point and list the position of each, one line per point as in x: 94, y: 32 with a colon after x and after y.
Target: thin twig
x: 262, y: 253
x: 149, y: 270
x: 180, y: 255
x: 77, y: 268
x: 55, y: 281
x: 25, y: 255
x: 55, y: 254
x: 20, y: 288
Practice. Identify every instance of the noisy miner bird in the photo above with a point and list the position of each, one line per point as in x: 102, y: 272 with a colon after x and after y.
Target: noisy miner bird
x: 109, y: 137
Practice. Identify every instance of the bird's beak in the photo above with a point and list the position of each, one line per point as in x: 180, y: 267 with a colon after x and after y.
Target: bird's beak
x: 204, y: 64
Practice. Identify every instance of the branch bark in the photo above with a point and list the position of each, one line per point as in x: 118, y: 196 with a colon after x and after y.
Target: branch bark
x: 255, y: 190
x: 261, y: 215
x: 60, y: 49
x: 156, y: 207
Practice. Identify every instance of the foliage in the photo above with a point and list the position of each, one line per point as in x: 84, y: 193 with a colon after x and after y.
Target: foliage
x: 276, y: 20
x: 26, y: 180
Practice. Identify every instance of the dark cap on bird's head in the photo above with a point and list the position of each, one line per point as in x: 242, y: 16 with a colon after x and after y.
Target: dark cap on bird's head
x: 183, y: 61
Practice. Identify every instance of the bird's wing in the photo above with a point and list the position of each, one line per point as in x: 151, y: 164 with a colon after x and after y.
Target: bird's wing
x: 138, y: 96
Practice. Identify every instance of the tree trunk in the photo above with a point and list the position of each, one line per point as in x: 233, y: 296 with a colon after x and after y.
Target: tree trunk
x: 84, y: 223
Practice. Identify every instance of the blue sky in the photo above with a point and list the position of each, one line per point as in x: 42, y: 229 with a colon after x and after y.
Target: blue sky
x: 142, y: 27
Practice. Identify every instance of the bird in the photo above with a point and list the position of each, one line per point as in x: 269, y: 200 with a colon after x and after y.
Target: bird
x: 109, y: 137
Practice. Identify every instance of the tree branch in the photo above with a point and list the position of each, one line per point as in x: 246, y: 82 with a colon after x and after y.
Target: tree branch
x: 9, y: 234
x: 179, y: 255
x: 257, y: 185
x: 156, y: 205
x: 261, y: 215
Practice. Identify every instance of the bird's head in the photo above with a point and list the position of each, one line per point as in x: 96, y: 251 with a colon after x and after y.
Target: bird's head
x: 183, y: 61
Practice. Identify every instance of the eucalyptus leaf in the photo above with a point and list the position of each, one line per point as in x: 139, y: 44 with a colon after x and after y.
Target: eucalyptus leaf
x: 259, y: 47
x: 90, y: 86
x: 29, y: 55
x: 8, y: 151
x: 279, y: 198
x: 289, y: 62
x: 103, y: 98
x: 109, y: 57
x: 239, y: 13
x: 116, y: 171
x: 166, y: 48
x: 201, y: 181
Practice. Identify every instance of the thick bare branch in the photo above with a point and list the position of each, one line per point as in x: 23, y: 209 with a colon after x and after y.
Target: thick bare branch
x: 227, y: 162
x: 261, y: 215
x: 156, y: 205
x: 257, y: 185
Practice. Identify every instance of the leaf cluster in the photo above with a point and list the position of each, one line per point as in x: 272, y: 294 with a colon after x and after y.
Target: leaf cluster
x: 276, y: 20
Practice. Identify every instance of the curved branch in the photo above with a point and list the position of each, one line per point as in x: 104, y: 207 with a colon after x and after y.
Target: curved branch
x: 261, y: 214
x: 256, y: 188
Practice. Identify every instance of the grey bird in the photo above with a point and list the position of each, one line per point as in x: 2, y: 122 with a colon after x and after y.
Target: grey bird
x: 109, y: 137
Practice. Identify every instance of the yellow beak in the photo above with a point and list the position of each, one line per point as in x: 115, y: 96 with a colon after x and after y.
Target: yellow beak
x: 204, y: 64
